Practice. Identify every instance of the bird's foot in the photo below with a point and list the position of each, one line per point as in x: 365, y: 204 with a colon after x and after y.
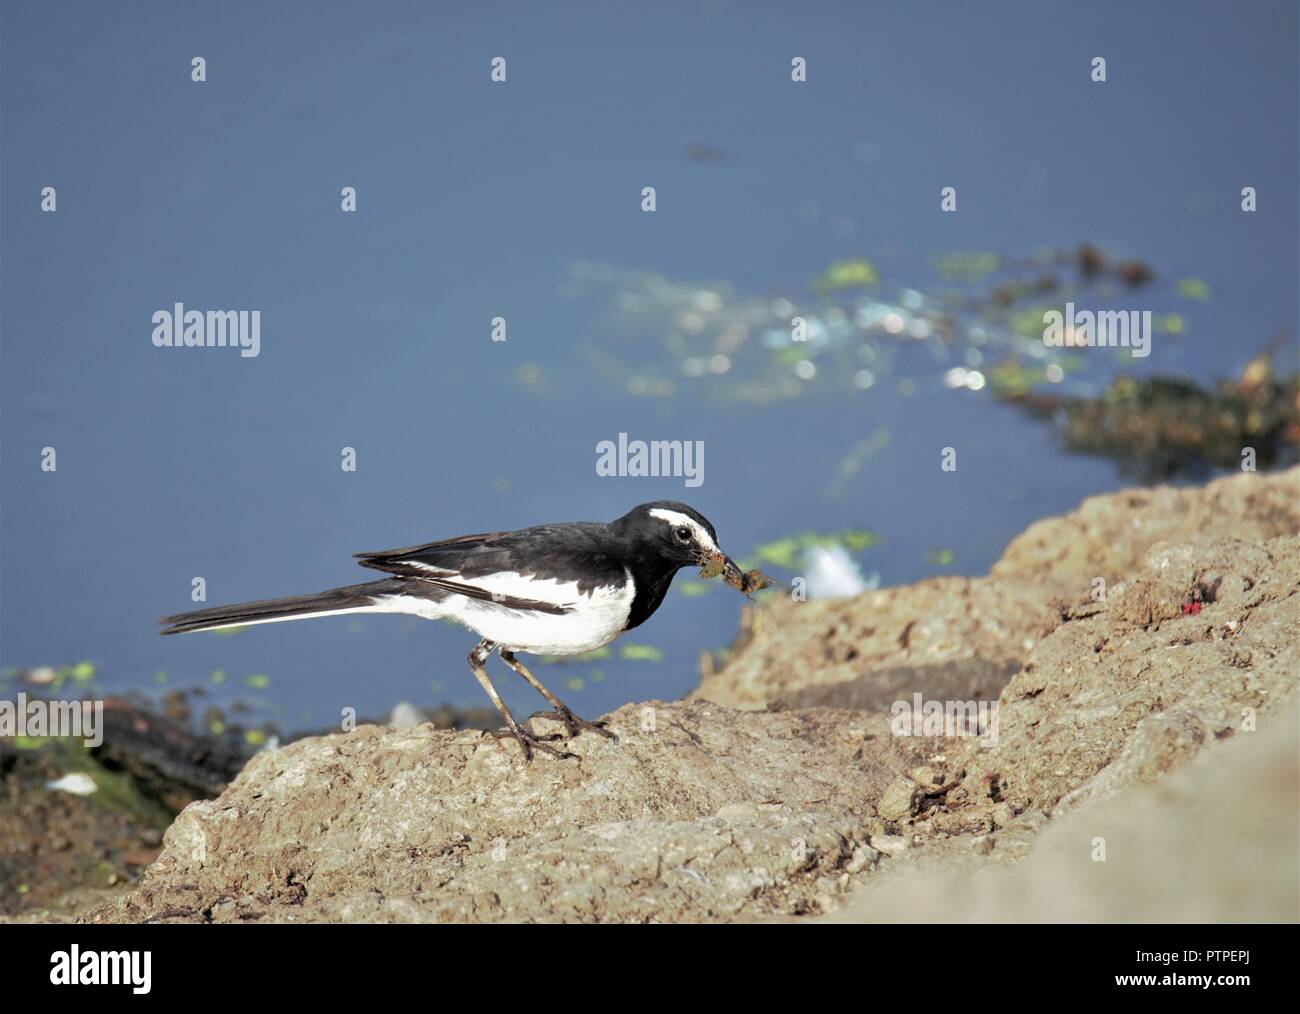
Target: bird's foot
x: 529, y: 742
x: 574, y: 725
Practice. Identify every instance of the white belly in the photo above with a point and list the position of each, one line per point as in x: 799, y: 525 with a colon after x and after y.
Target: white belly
x: 591, y: 622
x: 541, y: 633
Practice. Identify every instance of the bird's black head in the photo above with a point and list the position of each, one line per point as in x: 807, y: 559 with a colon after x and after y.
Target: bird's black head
x: 673, y: 533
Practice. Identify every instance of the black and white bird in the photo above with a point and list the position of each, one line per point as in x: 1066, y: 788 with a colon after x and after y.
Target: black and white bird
x: 559, y: 589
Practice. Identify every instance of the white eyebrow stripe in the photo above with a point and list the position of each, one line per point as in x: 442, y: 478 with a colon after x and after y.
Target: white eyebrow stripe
x: 676, y: 518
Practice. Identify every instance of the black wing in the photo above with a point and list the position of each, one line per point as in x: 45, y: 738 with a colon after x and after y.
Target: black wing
x: 577, y: 553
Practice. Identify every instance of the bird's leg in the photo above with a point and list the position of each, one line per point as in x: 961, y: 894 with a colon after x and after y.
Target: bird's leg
x: 572, y: 723
x: 527, y: 740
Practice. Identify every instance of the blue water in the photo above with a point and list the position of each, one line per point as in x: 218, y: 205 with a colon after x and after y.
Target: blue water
x: 479, y: 199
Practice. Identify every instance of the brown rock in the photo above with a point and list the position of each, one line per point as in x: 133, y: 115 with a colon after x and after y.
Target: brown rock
x: 956, y: 638
x: 1079, y: 722
x: 1213, y: 843
x: 1108, y: 536
x: 949, y: 637
x: 900, y: 799
x: 718, y: 814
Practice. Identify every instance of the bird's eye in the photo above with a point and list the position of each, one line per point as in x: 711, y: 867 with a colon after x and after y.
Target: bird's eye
x: 683, y: 534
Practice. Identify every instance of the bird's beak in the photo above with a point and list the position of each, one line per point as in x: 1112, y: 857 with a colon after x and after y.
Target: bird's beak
x: 731, y: 573
x: 720, y: 564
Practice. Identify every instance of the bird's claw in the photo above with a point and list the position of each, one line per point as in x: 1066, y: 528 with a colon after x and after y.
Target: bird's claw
x: 528, y: 742
x: 574, y: 725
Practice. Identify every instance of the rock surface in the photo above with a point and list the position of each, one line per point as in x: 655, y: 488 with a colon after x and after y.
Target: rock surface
x: 1216, y: 842
x: 697, y: 812
x: 956, y: 637
x: 1108, y: 536
x: 949, y: 637
x: 1130, y: 718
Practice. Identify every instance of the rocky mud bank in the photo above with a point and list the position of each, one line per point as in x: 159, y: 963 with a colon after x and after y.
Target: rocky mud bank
x: 1128, y: 672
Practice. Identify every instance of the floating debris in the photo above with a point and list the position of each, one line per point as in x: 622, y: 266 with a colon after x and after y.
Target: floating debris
x: 641, y: 653
x: 405, y: 715
x: 831, y: 573
x: 1094, y: 265
x: 787, y: 552
x: 83, y: 672
x: 1160, y: 427
x: 39, y: 676
x: 978, y: 332
x: 850, y: 274
x: 849, y: 328
x: 76, y: 784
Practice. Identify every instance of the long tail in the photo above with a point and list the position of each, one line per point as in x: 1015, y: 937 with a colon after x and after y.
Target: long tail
x: 357, y: 598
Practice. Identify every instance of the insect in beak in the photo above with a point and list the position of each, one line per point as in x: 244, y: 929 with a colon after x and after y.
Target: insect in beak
x: 721, y: 565
x: 716, y: 565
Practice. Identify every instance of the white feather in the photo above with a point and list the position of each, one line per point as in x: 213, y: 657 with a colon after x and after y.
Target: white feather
x: 675, y: 518
x: 593, y: 620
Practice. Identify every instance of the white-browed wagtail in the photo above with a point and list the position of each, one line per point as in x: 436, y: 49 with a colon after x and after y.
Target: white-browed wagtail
x: 560, y: 589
